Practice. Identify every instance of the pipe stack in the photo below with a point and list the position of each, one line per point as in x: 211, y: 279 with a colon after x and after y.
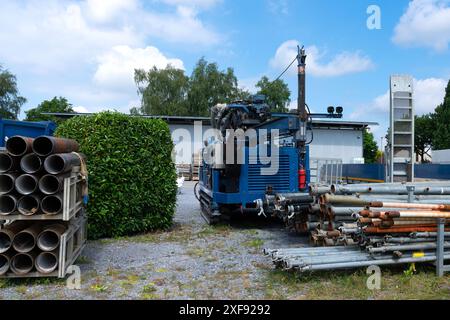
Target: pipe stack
x: 26, y: 247
x: 379, y: 224
x: 32, y: 173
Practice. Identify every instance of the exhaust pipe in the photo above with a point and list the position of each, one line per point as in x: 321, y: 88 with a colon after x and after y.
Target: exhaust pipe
x: 25, y: 240
x: 8, y: 204
x: 8, y: 162
x: 61, y: 163
x: 47, y: 262
x: 52, y: 205
x: 23, y: 263
x: 5, y: 261
x: 28, y: 205
x: 19, y: 146
x: 45, y: 145
x: 48, y: 239
x: 26, y: 184
x: 7, y: 181
x: 50, y: 184
x: 31, y: 163
x: 7, y: 235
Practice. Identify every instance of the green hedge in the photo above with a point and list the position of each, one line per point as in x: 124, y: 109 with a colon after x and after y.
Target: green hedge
x: 132, y: 179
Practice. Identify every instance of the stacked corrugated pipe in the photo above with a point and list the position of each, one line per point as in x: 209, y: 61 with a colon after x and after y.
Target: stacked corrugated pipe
x: 32, y: 173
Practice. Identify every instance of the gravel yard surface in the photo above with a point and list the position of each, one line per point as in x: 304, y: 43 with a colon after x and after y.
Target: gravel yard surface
x: 191, y: 261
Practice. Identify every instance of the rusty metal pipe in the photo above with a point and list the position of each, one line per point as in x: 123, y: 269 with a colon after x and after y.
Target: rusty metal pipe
x: 7, y: 181
x: 5, y: 261
x: 418, y: 214
x: 25, y: 240
x: 47, y: 262
x: 31, y: 163
x: 410, y: 205
x: 23, y: 263
x: 27, y: 184
x: 8, y: 204
x: 49, y: 238
x: 8, y: 162
x: 407, y: 229
x: 46, y: 145
x: 51, y: 184
x: 61, y: 163
x: 19, y: 145
x: 52, y: 204
x: 28, y: 205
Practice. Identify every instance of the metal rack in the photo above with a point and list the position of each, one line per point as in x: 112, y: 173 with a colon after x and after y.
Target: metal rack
x: 72, y: 202
x: 72, y: 243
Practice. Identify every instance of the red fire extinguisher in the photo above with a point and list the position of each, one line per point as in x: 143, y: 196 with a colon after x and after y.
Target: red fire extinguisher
x: 302, y: 179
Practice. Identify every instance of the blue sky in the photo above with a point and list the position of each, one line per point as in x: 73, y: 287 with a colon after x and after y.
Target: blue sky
x: 87, y: 50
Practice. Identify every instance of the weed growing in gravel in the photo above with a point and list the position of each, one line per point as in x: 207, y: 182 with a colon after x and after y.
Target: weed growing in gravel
x: 99, y: 288
x: 254, y: 243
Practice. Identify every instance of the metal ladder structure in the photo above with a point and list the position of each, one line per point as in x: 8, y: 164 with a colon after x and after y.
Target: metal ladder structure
x: 401, y: 136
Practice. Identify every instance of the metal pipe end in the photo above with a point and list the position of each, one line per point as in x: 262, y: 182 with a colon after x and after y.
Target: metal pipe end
x: 8, y: 204
x: 22, y: 263
x: 31, y: 163
x: 46, y: 262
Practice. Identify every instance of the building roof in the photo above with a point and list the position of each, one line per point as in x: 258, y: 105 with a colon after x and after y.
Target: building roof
x: 182, y: 120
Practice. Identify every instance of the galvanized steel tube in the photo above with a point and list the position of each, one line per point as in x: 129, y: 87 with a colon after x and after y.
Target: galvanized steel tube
x: 5, y: 260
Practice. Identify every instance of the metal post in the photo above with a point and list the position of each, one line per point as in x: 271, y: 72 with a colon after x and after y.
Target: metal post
x: 410, y: 190
x: 440, y: 248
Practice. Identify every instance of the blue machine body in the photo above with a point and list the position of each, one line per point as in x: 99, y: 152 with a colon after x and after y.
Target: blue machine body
x: 240, y: 192
x: 10, y: 128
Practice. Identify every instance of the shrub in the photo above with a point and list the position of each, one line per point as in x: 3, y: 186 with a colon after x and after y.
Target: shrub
x: 132, y: 179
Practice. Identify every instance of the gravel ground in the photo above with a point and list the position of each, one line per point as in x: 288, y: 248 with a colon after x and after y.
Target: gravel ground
x: 192, y: 261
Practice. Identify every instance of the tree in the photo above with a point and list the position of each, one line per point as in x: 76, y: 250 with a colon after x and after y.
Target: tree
x: 10, y: 100
x: 423, y: 136
x: 441, y: 118
x: 55, y: 105
x: 370, y: 147
x: 163, y: 92
x: 209, y: 86
x: 277, y: 94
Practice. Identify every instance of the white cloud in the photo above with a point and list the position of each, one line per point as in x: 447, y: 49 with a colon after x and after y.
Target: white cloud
x: 87, y: 50
x: 104, y: 11
x: 80, y: 109
x: 278, y: 6
x: 425, y: 23
x: 428, y: 94
x: 201, y: 4
x: 341, y: 64
x: 116, y: 67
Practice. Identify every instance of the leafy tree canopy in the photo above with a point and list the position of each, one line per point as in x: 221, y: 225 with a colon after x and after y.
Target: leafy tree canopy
x: 277, y: 94
x: 55, y: 105
x: 370, y: 147
x: 10, y: 100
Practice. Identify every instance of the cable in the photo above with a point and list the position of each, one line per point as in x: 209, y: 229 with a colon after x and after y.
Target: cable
x: 195, y: 191
x: 282, y: 74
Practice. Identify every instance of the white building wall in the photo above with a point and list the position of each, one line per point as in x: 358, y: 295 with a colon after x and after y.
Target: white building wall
x: 441, y: 156
x: 328, y: 143
x: 346, y: 145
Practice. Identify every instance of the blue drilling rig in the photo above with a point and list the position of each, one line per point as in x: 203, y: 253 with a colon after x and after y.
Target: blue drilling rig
x: 257, y: 158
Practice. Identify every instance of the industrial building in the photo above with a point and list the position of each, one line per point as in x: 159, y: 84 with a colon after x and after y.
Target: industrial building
x: 338, y: 140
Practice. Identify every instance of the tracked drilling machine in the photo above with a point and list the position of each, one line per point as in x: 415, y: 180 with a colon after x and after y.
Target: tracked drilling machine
x: 258, y: 161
